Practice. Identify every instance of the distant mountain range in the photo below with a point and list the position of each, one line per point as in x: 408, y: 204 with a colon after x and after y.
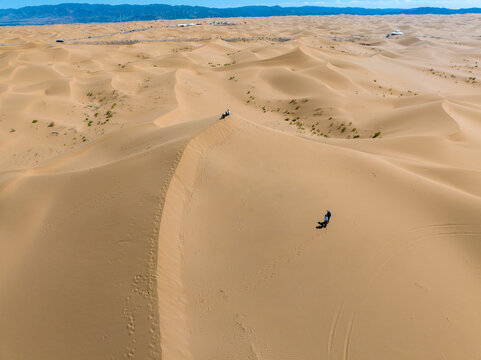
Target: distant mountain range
x: 87, y: 13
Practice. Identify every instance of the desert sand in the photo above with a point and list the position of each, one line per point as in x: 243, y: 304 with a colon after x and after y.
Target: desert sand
x: 136, y: 224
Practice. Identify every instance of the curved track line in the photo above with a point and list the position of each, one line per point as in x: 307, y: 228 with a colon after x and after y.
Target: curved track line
x: 332, y: 333
x: 347, y: 342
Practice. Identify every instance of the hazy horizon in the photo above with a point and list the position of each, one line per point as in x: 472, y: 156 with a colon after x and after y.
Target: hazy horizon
x: 370, y: 4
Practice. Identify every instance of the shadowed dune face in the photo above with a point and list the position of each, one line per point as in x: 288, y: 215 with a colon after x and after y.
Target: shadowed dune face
x: 135, y: 224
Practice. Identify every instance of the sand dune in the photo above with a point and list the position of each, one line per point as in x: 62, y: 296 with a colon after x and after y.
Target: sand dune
x: 136, y: 224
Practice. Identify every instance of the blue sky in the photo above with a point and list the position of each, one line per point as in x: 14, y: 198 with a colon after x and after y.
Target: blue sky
x: 234, y: 3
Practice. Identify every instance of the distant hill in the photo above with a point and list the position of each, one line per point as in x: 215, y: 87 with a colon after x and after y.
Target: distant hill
x: 87, y: 13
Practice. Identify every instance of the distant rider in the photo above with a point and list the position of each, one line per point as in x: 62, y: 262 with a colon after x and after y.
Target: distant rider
x: 323, y: 224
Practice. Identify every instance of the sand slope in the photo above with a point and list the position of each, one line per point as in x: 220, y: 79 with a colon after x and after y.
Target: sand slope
x: 136, y: 225
x: 260, y: 281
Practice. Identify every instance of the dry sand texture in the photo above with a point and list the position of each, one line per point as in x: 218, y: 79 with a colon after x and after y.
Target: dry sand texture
x: 134, y: 224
